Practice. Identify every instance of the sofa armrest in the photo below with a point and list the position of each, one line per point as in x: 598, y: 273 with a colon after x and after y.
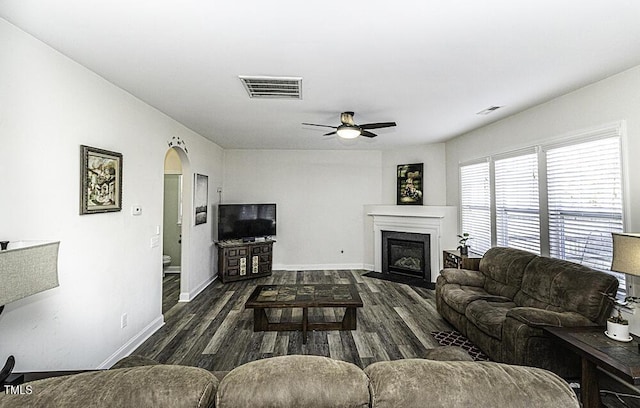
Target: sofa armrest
x: 463, y: 277
x: 535, y: 317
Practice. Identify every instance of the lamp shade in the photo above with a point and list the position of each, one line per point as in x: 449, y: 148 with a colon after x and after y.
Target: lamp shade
x: 626, y: 253
x: 27, y: 268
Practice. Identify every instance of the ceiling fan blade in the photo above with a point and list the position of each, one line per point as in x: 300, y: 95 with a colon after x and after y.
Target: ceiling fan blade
x: 313, y: 124
x: 366, y: 133
x: 377, y: 125
x: 330, y: 133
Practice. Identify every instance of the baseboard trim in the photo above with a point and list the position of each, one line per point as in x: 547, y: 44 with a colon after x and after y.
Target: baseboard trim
x: 189, y: 296
x: 135, y: 342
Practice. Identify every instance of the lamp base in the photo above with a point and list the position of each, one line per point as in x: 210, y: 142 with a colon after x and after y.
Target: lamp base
x: 5, y: 373
x: 13, y: 379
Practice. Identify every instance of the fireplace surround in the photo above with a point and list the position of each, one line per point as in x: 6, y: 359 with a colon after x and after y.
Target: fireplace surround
x: 440, y: 223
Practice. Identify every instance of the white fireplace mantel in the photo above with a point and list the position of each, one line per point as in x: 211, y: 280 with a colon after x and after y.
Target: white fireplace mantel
x: 441, y: 223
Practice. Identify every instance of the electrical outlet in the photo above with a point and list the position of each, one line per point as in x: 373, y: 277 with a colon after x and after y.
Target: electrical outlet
x: 123, y: 321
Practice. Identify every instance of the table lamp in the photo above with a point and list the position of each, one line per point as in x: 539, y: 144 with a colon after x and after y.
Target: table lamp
x: 626, y: 253
x: 26, y: 268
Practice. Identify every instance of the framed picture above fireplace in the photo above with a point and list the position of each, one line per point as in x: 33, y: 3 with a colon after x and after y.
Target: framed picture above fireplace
x: 410, y: 186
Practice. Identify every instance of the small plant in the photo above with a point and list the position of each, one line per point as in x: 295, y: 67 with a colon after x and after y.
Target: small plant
x: 463, y: 248
x: 618, y: 305
x: 463, y: 239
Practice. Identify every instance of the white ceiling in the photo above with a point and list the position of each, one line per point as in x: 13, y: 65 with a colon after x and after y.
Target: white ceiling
x: 428, y: 65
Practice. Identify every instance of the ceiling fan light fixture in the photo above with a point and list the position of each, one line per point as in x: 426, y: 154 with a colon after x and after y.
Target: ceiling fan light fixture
x: 348, y: 132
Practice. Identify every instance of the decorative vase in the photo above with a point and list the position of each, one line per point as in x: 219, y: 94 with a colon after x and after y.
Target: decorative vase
x: 617, y: 331
x: 3, y: 245
x: 464, y: 250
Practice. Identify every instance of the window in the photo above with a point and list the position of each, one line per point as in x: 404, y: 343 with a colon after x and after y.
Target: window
x: 561, y: 200
x: 475, y: 196
x: 517, y: 208
x: 585, y: 202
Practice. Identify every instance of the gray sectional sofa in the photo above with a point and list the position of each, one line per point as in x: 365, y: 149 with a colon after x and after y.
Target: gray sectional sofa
x: 503, y: 306
x: 304, y: 381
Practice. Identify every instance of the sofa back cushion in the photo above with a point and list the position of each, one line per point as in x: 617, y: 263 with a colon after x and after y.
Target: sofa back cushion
x: 146, y: 386
x: 443, y: 384
x: 558, y: 285
x: 294, y: 381
x: 503, y: 268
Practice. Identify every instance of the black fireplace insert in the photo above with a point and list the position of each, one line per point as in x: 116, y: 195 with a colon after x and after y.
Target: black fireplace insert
x: 406, y: 253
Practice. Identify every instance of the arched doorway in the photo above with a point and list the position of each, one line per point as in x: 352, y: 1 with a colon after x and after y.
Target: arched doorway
x: 176, y: 221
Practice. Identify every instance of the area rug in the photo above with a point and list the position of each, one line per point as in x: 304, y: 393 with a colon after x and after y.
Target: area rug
x: 453, y: 338
x: 401, y: 279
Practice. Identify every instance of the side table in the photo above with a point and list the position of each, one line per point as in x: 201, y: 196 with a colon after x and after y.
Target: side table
x: 597, y: 350
x: 453, y: 259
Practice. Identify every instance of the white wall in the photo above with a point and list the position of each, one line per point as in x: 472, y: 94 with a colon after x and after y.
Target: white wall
x: 433, y: 157
x: 200, y: 265
x: 434, y: 194
x: 49, y: 106
x: 320, y: 197
x: 613, y: 99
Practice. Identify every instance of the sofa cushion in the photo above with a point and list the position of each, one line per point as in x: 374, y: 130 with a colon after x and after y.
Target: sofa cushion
x: 463, y: 277
x: 294, y: 381
x: 447, y: 353
x: 488, y: 316
x: 559, y: 285
x: 147, y: 386
x: 534, y: 317
x: 426, y: 383
x: 458, y: 297
x: 504, y: 268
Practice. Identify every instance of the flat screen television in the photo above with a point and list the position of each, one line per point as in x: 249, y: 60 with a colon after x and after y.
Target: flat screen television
x: 246, y: 221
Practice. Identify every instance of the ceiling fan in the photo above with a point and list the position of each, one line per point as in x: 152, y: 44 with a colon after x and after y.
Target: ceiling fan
x: 349, y: 130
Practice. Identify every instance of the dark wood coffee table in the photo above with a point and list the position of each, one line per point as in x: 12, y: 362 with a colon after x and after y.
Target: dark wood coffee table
x: 304, y: 296
x: 597, y: 350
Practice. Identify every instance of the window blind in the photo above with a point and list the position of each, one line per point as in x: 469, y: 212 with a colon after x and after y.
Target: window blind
x: 584, y: 184
x: 475, y: 208
x: 517, y: 202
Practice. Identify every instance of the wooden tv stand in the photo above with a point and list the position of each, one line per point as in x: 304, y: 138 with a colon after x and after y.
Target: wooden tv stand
x: 238, y: 260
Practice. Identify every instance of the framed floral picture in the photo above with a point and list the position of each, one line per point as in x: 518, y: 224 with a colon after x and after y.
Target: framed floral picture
x: 410, y: 186
x: 100, y: 180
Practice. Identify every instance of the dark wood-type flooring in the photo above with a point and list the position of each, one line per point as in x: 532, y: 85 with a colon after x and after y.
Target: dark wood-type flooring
x: 215, y: 332
x: 170, y: 291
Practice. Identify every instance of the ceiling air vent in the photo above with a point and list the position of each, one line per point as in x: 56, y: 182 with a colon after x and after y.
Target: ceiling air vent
x: 489, y: 110
x: 272, y: 87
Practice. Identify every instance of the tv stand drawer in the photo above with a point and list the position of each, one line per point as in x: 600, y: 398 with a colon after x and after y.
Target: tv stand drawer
x: 237, y: 251
x: 244, y: 260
